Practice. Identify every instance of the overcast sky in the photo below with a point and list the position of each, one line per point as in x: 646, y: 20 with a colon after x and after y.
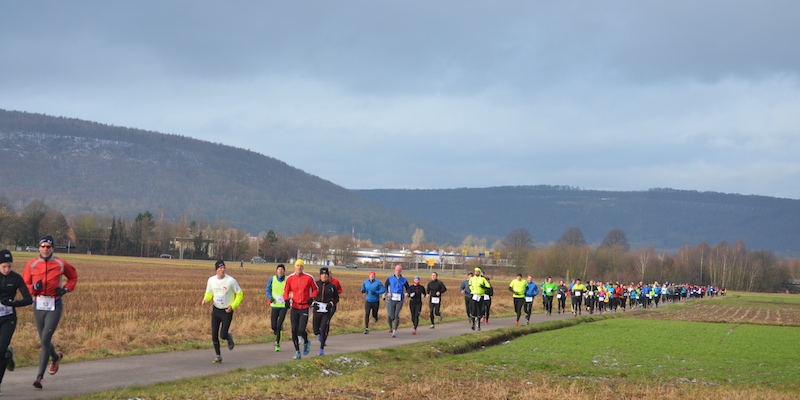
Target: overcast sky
x: 617, y: 95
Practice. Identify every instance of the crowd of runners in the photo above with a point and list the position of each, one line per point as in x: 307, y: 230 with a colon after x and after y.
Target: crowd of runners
x: 304, y: 298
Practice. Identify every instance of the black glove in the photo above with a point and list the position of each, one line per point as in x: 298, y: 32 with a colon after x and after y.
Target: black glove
x: 484, y: 287
x: 37, y: 286
x: 373, y: 293
x: 7, y: 302
x: 62, y: 291
x: 364, y: 291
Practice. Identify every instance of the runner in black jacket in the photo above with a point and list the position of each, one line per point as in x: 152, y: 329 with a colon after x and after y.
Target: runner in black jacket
x: 416, y: 293
x: 436, y: 289
x: 10, y: 283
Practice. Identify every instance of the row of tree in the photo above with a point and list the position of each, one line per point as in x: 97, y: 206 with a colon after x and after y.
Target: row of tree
x: 723, y: 265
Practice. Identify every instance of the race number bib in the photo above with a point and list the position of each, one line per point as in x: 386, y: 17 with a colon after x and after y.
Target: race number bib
x: 558, y: 296
x: 322, y: 307
x: 6, y: 310
x: 476, y: 297
x: 590, y: 293
x: 219, y: 301
x: 529, y: 299
x: 549, y: 290
x: 577, y: 294
x: 602, y: 298
x: 396, y: 297
x: 280, y: 299
x: 45, y: 303
x: 435, y: 300
x: 486, y: 297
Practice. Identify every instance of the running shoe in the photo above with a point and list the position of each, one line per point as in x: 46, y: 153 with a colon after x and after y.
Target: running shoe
x: 321, y: 352
x: 414, y: 331
x: 319, y: 338
x: 10, y: 356
x: 366, y: 331
x: 230, y: 341
x: 487, y: 322
x: 375, y: 320
x: 217, y: 360
x: 297, y: 355
x: 306, y: 347
x: 433, y: 326
x: 37, y: 383
x: 54, y: 364
x: 394, y: 334
x: 516, y: 323
x: 479, y: 327
x: 277, y: 347
x: 390, y: 330
x: 527, y: 322
x: 440, y: 318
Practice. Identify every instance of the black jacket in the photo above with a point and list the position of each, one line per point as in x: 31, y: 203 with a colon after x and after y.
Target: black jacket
x: 9, y: 285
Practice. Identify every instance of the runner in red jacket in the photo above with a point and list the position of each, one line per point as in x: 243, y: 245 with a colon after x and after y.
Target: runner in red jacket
x: 43, y: 276
x: 301, y: 289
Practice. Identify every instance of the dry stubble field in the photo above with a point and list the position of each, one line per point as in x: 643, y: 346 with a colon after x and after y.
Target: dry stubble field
x: 126, y: 305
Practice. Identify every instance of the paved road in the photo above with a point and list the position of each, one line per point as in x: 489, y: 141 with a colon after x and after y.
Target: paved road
x: 95, y: 376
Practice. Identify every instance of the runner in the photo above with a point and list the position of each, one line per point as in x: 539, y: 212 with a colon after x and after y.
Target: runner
x: 373, y: 289
x: 226, y: 295
x: 467, y: 294
x: 275, y: 286
x: 530, y: 292
x: 561, y: 297
x: 517, y: 288
x: 397, y: 287
x: 324, y: 307
x: 578, y: 292
x: 487, y: 301
x: 436, y: 289
x: 591, y: 296
x: 43, y: 276
x: 416, y: 293
x: 301, y: 289
x: 477, y: 286
x: 12, y: 283
x: 549, y: 290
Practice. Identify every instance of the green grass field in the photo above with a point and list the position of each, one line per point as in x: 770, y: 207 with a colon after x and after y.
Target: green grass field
x: 620, y: 356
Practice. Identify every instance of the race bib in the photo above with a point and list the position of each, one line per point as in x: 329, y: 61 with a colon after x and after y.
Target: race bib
x: 45, y: 303
x: 529, y: 299
x: 486, y: 297
x: 549, y: 290
x: 558, y: 296
x: 280, y: 300
x: 219, y: 301
x: 435, y: 300
x: 591, y: 293
x: 6, y: 310
x: 322, y: 307
x: 577, y: 294
x: 396, y: 297
x: 602, y: 298
x: 476, y: 297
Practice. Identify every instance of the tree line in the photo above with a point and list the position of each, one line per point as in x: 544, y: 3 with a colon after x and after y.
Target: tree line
x: 724, y: 265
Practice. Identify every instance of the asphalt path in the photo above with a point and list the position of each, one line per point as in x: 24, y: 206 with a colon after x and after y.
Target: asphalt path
x: 76, y: 378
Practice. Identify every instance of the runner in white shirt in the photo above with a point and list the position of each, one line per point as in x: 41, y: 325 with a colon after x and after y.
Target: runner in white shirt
x: 225, y: 294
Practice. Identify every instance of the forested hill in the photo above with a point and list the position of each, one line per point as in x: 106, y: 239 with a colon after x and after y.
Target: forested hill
x: 663, y: 218
x: 77, y: 166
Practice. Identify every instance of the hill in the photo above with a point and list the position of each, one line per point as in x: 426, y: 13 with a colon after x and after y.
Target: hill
x: 77, y: 166
x: 663, y: 218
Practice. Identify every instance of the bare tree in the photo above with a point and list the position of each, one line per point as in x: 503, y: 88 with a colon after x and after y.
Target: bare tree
x: 572, y: 237
x: 31, y: 218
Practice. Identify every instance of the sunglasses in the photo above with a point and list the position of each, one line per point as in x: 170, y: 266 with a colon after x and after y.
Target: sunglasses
x: 46, y: 246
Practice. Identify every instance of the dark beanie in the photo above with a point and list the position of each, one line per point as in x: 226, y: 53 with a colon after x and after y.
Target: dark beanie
x: 46, y: 239
x: 280, y: 266
x: 5, y: 256
x: 218, y: 264
x: 324, y: 270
